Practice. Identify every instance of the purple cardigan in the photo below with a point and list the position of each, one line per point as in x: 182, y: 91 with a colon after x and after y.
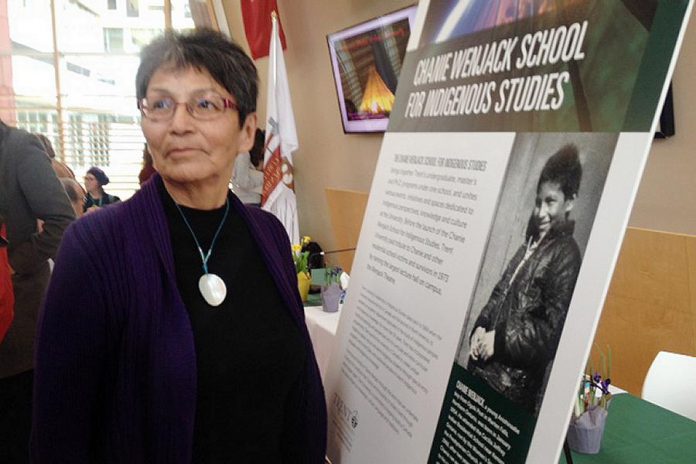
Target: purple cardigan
x: 115, y: 361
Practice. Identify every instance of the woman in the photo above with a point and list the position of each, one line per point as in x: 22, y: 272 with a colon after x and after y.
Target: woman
x: 188, y: 344
x: 95, y: 180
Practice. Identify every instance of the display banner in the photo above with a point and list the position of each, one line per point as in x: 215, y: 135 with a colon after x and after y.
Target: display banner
x: 501, y: 195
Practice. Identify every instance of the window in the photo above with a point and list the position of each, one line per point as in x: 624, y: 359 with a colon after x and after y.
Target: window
x: 132, y: 9
x: 92, y: 119
x: 113, y: 40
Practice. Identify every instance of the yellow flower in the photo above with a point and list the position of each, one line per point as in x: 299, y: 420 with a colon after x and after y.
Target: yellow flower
x: 297, y: 248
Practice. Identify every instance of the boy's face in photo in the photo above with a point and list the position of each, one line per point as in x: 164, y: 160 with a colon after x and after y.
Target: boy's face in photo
x: 551, y: 207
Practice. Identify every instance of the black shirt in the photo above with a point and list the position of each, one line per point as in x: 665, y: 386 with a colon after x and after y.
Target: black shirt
x: 105, y: 199
x: 250, y: 355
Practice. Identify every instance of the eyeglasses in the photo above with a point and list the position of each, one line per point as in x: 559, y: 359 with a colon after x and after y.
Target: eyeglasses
x: 202, y: 108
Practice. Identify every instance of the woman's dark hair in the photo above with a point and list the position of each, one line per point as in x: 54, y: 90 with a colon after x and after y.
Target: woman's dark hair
x: 256, y: 152
x: 100, y: 175
x: 48, y: 147
x: 563, y: 168
x: 73, y: 189
x: 147, y: 156
x: 202, y: 49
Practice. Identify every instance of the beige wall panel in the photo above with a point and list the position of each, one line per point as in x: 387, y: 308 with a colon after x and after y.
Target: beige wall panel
x: 650, y: 305
x: 691, y: 257
x: 346, y: 210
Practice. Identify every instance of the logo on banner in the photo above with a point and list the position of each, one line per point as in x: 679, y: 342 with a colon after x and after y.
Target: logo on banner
x: 347, y: 415
x: 278, y: 168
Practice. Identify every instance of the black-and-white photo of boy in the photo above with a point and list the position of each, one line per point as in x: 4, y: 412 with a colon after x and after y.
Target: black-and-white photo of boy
x: 511, y: 341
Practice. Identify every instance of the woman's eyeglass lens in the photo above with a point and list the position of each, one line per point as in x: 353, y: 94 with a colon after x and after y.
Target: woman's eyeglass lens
x: 203, y: 108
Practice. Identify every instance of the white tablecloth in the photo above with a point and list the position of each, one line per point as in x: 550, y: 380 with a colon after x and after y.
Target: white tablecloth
x: 322, y: 330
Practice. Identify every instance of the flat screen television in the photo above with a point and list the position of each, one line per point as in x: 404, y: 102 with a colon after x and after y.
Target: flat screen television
x: 366, y: 60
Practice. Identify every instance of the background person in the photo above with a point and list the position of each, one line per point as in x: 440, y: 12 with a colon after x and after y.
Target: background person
x: 62, y: 170
x: 158, y: 361
x: 516, y: 334
x: 148, y: 169
x: 29, y: 192
x: 95, y: 180
x: 76, y: 195
x: 247, y: 176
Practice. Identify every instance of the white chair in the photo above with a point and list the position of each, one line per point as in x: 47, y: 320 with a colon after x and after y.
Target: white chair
x: 671, y: 383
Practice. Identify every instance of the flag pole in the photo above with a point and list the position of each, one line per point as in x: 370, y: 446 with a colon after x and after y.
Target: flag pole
x: 274, y: 27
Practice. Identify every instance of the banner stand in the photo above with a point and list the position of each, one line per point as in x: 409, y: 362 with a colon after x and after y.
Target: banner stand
x: 499, y: 202
x: 566, y: 451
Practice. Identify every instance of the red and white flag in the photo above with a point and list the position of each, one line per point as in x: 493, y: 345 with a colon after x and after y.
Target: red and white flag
x: 255, y: 14
x: 281, y: 140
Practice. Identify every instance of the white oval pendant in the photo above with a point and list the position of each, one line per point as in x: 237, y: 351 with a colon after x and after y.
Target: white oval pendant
x: 212, y: 288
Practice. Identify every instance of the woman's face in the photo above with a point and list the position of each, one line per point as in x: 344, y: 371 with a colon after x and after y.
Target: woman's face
x: 186, y: 150
x: 92, y: 184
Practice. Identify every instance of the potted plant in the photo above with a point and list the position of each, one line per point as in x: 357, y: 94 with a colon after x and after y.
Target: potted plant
x: 331, y: 291
x: 591, y: 409
x: 301, y: 267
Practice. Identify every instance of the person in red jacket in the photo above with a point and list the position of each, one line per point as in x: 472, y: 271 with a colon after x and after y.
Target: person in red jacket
x: 36, y: 212
x: 6, y: 293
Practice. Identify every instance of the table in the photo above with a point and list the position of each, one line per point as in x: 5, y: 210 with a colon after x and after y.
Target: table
x: 322, y: 330
x: 640, y: 432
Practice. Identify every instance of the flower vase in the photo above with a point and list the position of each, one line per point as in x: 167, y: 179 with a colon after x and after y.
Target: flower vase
x: 331, y: 297
x: 303, y: 282
x: 585, y: 432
